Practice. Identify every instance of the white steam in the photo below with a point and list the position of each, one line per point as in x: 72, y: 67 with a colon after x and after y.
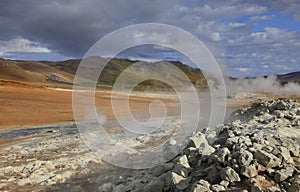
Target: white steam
x: 262, y: 85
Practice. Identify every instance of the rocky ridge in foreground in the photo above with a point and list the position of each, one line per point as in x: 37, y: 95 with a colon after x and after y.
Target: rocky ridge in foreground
x: 258, y: 150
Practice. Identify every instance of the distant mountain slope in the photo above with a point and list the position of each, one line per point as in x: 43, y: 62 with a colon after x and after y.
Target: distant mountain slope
x: 289, y: 77
x: 47, y: 70
x: 9, y: 70
x: 116, y: 66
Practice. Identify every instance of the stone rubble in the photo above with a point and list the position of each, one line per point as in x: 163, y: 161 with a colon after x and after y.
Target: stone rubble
x: 257, y: 150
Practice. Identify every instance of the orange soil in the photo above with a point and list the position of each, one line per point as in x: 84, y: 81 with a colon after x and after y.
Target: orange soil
x: 25, y: 105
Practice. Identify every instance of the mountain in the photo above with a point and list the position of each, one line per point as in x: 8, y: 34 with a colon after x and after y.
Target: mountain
x: 116, y: 66
x: 289, y: 77
x: 64, y: 71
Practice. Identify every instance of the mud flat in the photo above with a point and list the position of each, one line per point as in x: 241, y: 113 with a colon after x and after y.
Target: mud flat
x: 55, y: 158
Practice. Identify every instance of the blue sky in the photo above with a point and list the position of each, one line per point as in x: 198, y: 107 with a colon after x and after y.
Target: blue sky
x: 247, y: 38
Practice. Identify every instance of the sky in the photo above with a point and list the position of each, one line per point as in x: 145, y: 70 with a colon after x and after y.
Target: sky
x: 247, y: 37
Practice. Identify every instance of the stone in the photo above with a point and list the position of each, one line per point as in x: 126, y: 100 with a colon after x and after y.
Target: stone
x: 118, y: 188
x: 212, y: 174
x: 210, y: 136
x: 256, y: 188
x: 217, y: 188
x: 231, y: 141
x: 106, y: 187
x: 273, y: 189
x: 199, y: 141
x: 246, y: 140
x: 285, y: 153
x: 245, y: 158
x: 181, y: 170
x: 192, y: 154
x: 270, y: 172
x: 175, y: 178
x: 184, y: 184
x: 230, y: 175
x: 155, y: 185
x: 295, y: 179
x: 183, y: 160
x: 178, y: 181
x: 268, y: 148
x: 221, y: 155
x: 170, y: 150
x: 249, y: 171
x: 295, y: 187
x: 224, y: 183
x: 267, y: 159
x: 160, y: 169
x: 283, y: 174
x: 201, y: 186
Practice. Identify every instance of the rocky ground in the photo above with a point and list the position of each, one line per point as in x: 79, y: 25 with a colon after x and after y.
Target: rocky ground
x: 249, y: 154
x: 256, y: 150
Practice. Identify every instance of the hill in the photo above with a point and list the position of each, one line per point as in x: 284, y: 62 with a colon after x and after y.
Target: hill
x: 47, y: 70
x: 116, y: 66
x: 9, y: 70
x: 289, y: 77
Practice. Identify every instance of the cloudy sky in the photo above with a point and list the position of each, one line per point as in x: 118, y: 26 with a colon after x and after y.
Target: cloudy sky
x: 247, y: 38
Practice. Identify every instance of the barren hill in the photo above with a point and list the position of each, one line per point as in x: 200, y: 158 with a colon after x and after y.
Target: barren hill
x: 47, y: 70
x: 116, y: 66
x: 10, y: 71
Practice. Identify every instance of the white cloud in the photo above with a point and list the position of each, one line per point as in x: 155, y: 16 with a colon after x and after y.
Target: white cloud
x: 261, y: 17
x: 215, y: 36
x: 21, y: 45
x: 236, y: 24
x: 243, y: 69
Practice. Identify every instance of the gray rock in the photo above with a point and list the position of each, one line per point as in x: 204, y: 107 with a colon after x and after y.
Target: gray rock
x: 295, y: 187
x: 192, y: 154
x: 183, y: 160
x: 268, y: 148
x: 283, y: 174
x: 224, y: 183
x: 231, y: 141
x: 199, y: 141
x: 107, y: 187
x: 184, y: 184
x: 217, y: 188
x: 245, y: 158
x: 295, y: 179
x: 221, y: 155
x: 285, y: 153
x: 118, y: 188
x: 256, y: 188
x: 181, y: 170
x: 170, y: 149
x: 273, y: 189
x: 267, y: 159
x: 201, y: 186
x: 230, y: 175
x: 178, y: 181
x: 155, y: 185
x: 212, y: 174
x: 246, y: 140
x: 210, y: 136
x: 249, y: 171
x: 160, y: 169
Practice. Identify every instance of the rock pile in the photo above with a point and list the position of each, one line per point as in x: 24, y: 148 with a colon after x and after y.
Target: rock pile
x: 258, y: 150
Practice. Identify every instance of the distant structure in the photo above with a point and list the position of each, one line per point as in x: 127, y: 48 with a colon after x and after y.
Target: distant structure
x: 53, y: 77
